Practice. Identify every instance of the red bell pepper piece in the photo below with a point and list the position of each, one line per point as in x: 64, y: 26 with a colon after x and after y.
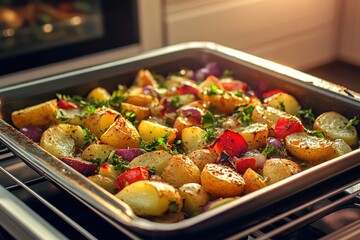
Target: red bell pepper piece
x: 230, y: 142
x: 66, y: 105
x: 271, y: 92
x: 132, y: 175
x: 241, y: 164
x: 285, y: 126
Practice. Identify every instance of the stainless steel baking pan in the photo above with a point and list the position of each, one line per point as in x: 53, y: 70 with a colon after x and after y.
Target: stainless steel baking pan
x: 311, y: 92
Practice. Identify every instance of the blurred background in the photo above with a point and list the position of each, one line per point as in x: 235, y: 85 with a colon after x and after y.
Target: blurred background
x: 46, y: 37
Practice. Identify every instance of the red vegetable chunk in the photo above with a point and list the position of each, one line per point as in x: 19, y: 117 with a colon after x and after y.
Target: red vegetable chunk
x: 84, y: 167
x: 287, y: 126
x: 66, y: 105
x: 230, y: 142
x: 271, y: 92
x: 131, y: 176
x: 241, y: 164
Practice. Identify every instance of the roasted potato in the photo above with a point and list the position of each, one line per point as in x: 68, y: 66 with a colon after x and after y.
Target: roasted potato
x: 98, y: 94
x: 151, y: 198
x: 57, y: 141
x: 75, y: 132
x: 140, y: 112
x: 255, y: 135
x: 339, y: 147
x: 97, y: 151
x: 109, y: 184
x: 221, y: 181
x: 284, y: 102
x: 277, y: 169
x: 156, y: 159
x: 180, y: 170
x: 195, y: 198
x: 99, y: 121
x: 253, y: 181
x: 41, y: 115
x: 334, y: 126
x: 148, y: 130
x: 121, y: 134
x: 201, y: 157
x: 192, y: 138
x: 268, y: 115
x: 308, y: 148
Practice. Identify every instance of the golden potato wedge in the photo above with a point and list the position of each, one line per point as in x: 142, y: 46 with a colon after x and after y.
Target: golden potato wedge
x: 180, y: 170
x: 284, y: 102
x: 334, y: 126
x: 145, y: 78
x: 255, y: 135
x: 121, y: 134
x: 99, y: 121
x: 109, y: 184
x: 140, y: 99
x: 222, y: 181
x: 151, y: 198
x: 308, y: 148
x: 140, y: 111
x: 98, y: 94
x: 41, y: 115
x: 156, y: 159
x: 201, y: 157
x: 75, y: 132
x: 97, y: 151
x: 195, y: 198
x: 253, y: 181
x: 148, y: 130
x: 192, y: 139
x: 339, y: 147
x: 56, y: 141
x: 277, y: 169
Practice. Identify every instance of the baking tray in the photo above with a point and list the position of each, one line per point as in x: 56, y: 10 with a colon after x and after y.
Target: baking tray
x: 312, y: 92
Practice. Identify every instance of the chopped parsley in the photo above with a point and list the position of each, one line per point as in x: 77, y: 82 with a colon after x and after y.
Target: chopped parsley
x: 118, y: 162
x: 161, y: 143
x: 315, y: 133
x: 175, y: 101
x: 214, y: 90
x: 131, y: 116
x: 282, y: 106
x: 89, y: 137
x: 352, y: 122
x: 208, y: 124
x: 270, y: 150
x: 244, y: 113
x: 307, y: 115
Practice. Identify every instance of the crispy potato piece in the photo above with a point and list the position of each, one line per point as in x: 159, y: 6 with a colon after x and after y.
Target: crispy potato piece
x: 333, y: 126
x: 253, y: 181
x: 109, y: 184
x: 277, y: 169
x: 75, y: 132
x: 284, y: 102
x: 99, y: 121
x: 156, y: 159
x: 145, y: 78
x: 140, y: 112
x: 308, y: 148
x: 98, y: 94
x: 192, y: 138
x: 57, y: 141
x: 141, y: 100
x: 221, y: 181
x: 255, y: 135
x: 201, y: 157
x: 180, y: 170
x: 149, y: 129
x: 151, y: 198
x: 226, y: 102
x: 195, y: 198
x: 121, y: 134
x: 41, y: 115
x: 97, y: 151
x: 339, y: 147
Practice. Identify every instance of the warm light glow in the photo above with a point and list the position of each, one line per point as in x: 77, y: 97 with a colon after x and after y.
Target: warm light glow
x: 8, y: 32
x: 47, y: 28
x: 75, y: 20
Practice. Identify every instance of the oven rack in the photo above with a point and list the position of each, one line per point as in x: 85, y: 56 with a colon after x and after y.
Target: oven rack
x: 48, y: 205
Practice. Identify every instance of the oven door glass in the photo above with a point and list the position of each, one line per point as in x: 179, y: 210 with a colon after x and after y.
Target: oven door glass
x: 39, y: 32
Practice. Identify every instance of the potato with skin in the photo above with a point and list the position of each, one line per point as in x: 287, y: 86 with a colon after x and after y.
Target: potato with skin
x: 151, y: 198
x: 253, y: 181
x: 97, y: 151
x: 334, y: 126
x: 277, y: 169
x: 98, y: 94
x: 41, y: 115
x: 201, y: 157
x: 140, y: 100
x: 195, y: 198
x: 58, y: 142
x: 75, y: 132
x: 121, y: 134
x: 308, y: 148
x: 109, y: 184
x: 148, y: 130
x: 284, y: 102
x: 255, y: 135
x: 339, y: 148
x: 156, y: 159
x: 192, y: 139
x: 222, y: 181
x: 180, y: 170
x: 140, y: 111
x: 99, y: 121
